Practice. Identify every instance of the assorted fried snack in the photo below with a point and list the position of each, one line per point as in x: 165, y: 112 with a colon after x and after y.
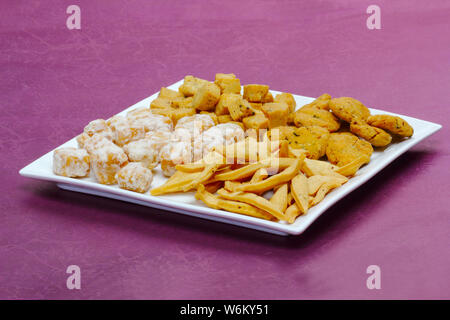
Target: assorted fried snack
x: 246, y: 151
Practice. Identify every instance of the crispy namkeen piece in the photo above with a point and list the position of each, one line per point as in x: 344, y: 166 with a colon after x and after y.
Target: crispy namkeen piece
x: 312, y: 116
x: 292, y: 212
x: 300, y: 192
x: 295, y: 153
x: 280, y: 197
x: 254, y: 200
x: 259, y: 175
x: 241, y: 173
x: 322, y: 192
x: 202, y: 177
x: 288, y: 99
x: 347, y: 109
x: 210, y: 158
x: 376, y: 136
x: 255, y: 92
x: 393, y: 124
x: 312, y: 139
x: 175, y: 183
x: 317, y: 167
x: 215, y: 202
x: 320, y: 103
x: 214, y: 186
x: 344, y: 147
x: 351, y: 168
x: 315, y: 182
x: 290, y: 199
x: 269, y: 183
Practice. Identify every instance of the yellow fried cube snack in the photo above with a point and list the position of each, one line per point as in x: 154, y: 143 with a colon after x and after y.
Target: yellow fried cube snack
x: 224, y: 118
x: 226, y: 100
x: 135, y: 177
x: 228, y: 83
x: 255, y: 92
x: 160, y: 103
x: 240, y: 110
x: 191, y: 85
x: 268, y: 98
x: 277, y: 113
x: 257, y: 121
x: 177, y: 114
x: 170, y: 94
x: 106, y: 162
x: 288, y: 99
x: 71, y: 162
x: 206, y: 97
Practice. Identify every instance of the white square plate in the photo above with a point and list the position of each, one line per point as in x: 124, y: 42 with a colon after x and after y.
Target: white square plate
x: 186, y: 203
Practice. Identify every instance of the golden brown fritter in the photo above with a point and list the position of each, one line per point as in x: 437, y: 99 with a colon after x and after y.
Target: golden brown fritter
x: 312, y: 116
x: 393, y: 124
x: 376, y: 136
x: 321, y: 102
x: 347, y: 109
x: 312, y: 139
x: 345, y: 147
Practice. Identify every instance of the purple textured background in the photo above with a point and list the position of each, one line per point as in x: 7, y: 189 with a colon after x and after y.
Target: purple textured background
x: 54, y: 80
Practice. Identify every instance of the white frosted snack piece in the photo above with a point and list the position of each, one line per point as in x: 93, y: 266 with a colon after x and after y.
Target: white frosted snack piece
x: 135, y: 177
x: 151, y: 122
x: 175, y: 152
x: 97, y: 141
x: 142, y: 151
x: 125, y: 131
x: 158, y: 139
x: 106, y: 161
x: 71, y: 162
x: 220, y: 135
x: 192, y: 126
x: 96, y: 127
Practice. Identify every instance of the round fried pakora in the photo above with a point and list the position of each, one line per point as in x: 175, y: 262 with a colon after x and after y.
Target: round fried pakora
x: 312, y: 116
x: 393, y: 124
x: 376, y: 136
x: 347, y: 109
x: 312, y: 139
x: 345, y: 147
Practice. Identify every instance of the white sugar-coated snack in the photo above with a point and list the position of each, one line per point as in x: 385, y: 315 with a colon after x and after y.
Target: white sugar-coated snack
x: 151, y: 122
x: 220, y: 135
x: 97, y: 141
x: 158, y: 139
x: 135, y: 177
x: 193, y: 126
x: 98, y: 126
x: 106, y: 161
x: 142, y: 151
x: 71, y: 162
x: 175, y: 152
x: 124, y: 131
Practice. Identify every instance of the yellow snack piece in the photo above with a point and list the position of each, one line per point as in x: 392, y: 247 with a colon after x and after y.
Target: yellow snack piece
x: 215, y: 202
x: 277, y: 113
x: 240, y: 109
x: 255, y: 92
x: 280, y: 198
x: 206, y: 97
x: 253, y: 200
x: 376, y: 136
x: 288, y: 99
x: 226, y: 100
x: 224, y: 118
x: 160, y: 103
x: 125, y: 131
x: 191, y: 85
x: 393, y: 124
x: 268, y: 98
x: 300, y: 192
x: 170, y: 94
x: 257, y: 121
x: 228, y: 83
